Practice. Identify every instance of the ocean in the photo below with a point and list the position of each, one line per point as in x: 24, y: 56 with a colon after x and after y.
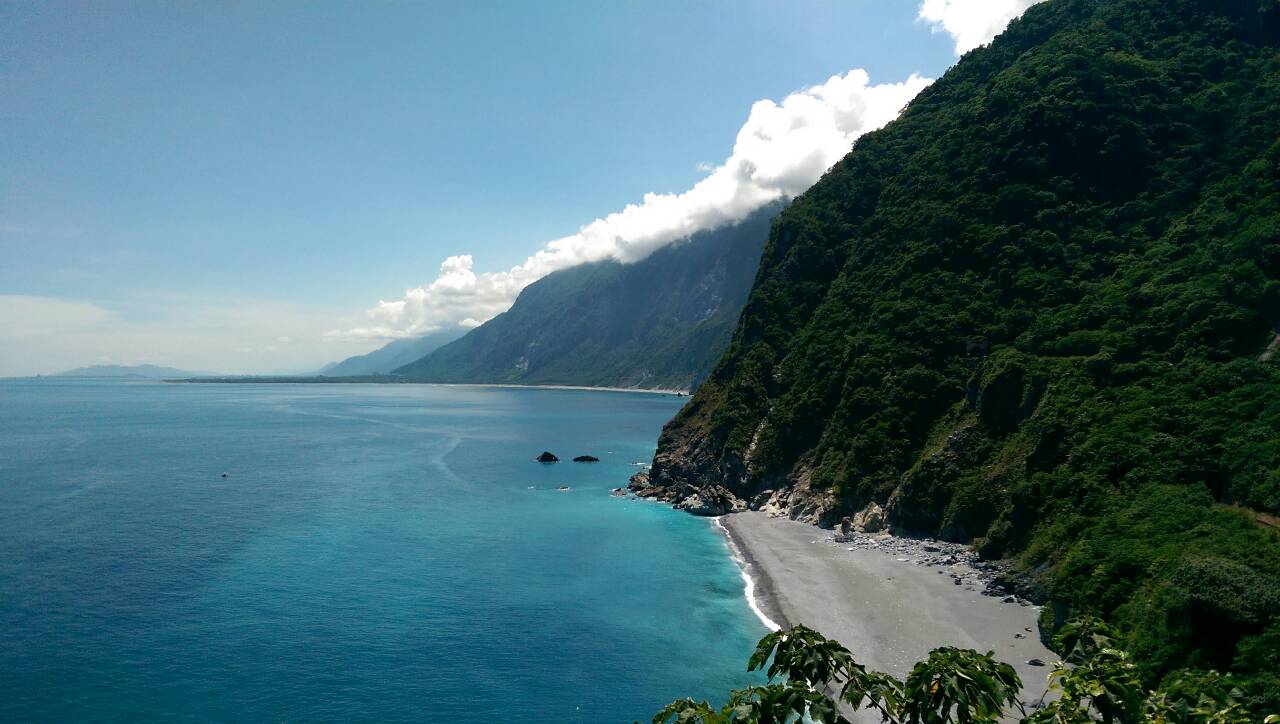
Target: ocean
x: 373, y: 553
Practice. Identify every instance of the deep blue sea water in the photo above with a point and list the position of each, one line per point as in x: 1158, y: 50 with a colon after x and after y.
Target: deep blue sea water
x: 376, y: 552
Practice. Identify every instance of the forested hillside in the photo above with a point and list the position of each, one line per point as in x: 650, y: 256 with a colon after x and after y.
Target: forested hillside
x: 657, y: 323
x: 1035, y: 312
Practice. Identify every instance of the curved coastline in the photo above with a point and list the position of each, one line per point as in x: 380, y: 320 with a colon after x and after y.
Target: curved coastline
x: 887, y: 608
x: 758, y: 587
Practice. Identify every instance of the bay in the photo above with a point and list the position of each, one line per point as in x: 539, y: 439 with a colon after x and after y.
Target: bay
x: 374, y: 553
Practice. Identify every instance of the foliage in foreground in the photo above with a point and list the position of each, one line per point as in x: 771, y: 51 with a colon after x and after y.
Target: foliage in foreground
x: 809, y: 673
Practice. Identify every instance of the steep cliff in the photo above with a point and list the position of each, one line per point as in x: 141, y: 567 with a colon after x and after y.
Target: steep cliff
x: 660, y: 322
x: 1033, y: 312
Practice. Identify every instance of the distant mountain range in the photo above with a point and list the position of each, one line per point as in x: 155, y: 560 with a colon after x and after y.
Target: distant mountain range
x: 150, y: 372
x: 391, y: 356
x: 657, y: 323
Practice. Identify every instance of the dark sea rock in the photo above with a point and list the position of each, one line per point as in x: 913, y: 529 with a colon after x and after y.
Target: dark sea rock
x: 586, y: 459
x: 639, y: 481
x: 547, y: 457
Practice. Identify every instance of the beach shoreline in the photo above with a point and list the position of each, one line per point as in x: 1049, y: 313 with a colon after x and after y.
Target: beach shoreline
x: 888, y: 609
x: 758, y: 586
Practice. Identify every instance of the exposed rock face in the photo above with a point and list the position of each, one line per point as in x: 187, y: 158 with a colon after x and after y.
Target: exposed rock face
x: 712, y: 501
x: 871, y: 519
x: 801, y: 503
x: 684, y: 475
x: 547, y: 457
x: 639, y: 481
x: 586, y: 459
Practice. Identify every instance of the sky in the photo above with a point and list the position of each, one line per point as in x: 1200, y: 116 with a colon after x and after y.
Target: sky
x: 247, y: 187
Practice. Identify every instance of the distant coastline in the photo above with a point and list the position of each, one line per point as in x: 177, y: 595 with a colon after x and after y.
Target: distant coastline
x: 389, y: 380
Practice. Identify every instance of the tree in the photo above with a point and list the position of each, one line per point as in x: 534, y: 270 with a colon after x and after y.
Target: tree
x: 809, y: 673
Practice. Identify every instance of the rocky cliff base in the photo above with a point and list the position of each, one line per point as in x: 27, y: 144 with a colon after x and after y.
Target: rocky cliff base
x: 868, y: 529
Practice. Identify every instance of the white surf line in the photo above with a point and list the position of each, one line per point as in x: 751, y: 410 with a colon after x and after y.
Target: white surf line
x: 749, y: 582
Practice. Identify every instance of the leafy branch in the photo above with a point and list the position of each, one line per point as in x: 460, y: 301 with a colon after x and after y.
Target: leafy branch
x: 1095, y: 682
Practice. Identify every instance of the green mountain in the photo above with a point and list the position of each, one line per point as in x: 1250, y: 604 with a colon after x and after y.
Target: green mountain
x: 391, y: 356
x: 657, y: 323
x: 1038, y: 312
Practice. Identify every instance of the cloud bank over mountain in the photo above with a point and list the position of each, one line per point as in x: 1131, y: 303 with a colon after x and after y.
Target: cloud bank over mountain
x: 972, y: 23
x: 781, y: 150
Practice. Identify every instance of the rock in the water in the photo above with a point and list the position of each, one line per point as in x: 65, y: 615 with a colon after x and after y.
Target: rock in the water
x: 586, y: 459
x: 547, y: 457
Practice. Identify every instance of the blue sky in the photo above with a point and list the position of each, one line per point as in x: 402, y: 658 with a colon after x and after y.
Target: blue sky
x: 215, y: 185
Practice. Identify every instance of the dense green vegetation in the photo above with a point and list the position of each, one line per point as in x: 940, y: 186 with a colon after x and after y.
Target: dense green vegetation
x: 1034, y: 313
x: 1096, y: 682
x: 660, y: 322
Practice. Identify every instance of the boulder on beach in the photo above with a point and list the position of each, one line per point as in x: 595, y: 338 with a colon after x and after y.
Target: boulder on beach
x: 586, y: 459
x: 712, y: 501
x: 870, y: 520
x: 547, y: 457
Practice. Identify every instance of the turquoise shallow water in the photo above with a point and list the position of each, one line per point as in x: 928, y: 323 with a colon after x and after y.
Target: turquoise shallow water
x: 375, y: 553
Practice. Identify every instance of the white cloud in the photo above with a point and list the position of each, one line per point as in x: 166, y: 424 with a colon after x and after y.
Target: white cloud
x: 781, y: 150
x: 24, y: 316
x: 971, y: 23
